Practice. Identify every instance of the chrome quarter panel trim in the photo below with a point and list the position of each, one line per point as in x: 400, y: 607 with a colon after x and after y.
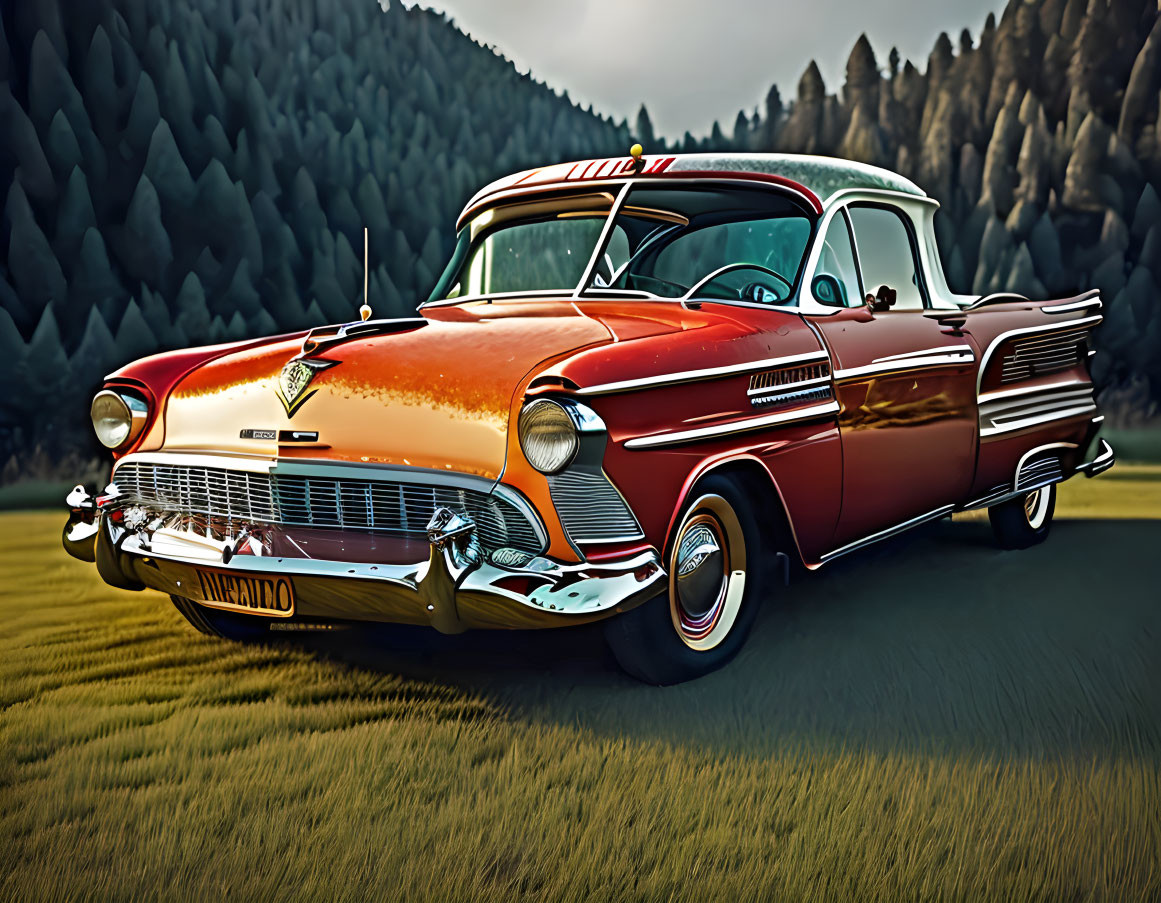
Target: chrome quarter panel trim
x: 1008, y: 412
x: 1028, y: 330
x: 679, y: 437
x: 690, y: 376
x: 785, y: 388
x: 888, y: 532
x: 1031, y: 390
x: 964, y: 351
x: 903, y: 365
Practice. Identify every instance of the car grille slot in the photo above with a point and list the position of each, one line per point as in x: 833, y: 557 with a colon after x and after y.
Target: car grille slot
x: 1044, y: 355
x: 234, y: 498
x: 591, y: 509
x: 773, y: 379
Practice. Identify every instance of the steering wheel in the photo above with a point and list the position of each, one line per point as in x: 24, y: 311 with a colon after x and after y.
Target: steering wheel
x: 746, y: 293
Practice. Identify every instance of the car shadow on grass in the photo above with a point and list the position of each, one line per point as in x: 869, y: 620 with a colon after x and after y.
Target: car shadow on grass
x: 934, y: 640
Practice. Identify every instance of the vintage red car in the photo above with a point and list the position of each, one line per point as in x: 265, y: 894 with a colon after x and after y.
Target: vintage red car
x: 641, y: 390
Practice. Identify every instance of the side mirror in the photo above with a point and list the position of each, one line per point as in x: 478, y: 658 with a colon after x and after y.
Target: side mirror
x: 883, y: 299
x: 828, y: 290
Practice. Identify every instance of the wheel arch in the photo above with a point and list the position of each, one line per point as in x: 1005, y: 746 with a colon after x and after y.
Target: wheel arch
x: 752, y: 473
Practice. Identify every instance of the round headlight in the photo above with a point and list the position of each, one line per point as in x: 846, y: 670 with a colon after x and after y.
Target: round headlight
x: 117, y: 418
x: 547, y: 435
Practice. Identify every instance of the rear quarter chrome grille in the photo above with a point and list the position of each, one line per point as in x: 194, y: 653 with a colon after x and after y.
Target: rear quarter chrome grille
x: 1042, y: 355
x: 233, y: 498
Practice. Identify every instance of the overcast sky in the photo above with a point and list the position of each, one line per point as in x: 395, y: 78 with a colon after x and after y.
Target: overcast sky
x: 691, y: 61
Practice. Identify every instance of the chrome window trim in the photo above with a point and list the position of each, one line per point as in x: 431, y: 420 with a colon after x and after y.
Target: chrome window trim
x: 498, y: 296
x: 679, y: 437
x: 888, y: 532
x: 590, y: 270
x: 1029, y: 330
x: 311, y: 467
x: 690, y: 376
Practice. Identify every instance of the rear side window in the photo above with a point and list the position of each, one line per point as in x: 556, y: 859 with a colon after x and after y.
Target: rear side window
x: 886, y: 255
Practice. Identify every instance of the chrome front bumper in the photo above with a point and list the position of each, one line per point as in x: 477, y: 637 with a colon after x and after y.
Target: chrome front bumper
x: 450, y: 591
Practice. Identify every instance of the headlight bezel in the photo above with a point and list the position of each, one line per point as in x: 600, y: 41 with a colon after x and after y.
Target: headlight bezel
x: 117, y: 429
x: 569, y: 435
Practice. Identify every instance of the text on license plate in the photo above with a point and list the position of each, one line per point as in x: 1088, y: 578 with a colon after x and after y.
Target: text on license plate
x: 270, y: 596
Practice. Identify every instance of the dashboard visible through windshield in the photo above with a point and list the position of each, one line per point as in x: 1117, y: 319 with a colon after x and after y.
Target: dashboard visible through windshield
x: 712, y: 241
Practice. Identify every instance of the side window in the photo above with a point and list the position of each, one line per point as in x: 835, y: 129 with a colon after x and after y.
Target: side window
x: 886, y: 255
x: 837, y: 259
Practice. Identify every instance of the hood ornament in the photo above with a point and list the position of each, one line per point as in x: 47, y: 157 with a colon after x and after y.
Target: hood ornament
x: 294, y: 379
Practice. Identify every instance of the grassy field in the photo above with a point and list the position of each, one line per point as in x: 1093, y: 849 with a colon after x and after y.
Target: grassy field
x: 933, y: 719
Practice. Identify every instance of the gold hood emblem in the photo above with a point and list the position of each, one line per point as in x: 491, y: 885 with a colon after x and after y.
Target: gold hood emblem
x: 294, y: 379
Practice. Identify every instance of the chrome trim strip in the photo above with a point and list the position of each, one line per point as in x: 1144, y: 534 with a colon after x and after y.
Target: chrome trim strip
x: 947, y: 349
x: 1037, y: 420
x: 787, y: 387
x: 903, y: 365
x: 887, y: 533
x: 689, y: 376
x: 997, y: 298
x: 1030, y: 390
x: 734, y: 426
x: 1093, y: 300
x: 348, y: 470
x: 1029, y: 330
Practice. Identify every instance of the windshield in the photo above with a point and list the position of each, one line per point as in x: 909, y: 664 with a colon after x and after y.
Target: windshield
x: 717, y: 242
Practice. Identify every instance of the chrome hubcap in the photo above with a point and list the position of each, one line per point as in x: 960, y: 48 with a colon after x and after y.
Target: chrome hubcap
x: 707, y: 573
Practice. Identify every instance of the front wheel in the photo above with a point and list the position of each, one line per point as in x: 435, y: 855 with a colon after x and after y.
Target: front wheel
x: 1024, y: 521
x: 715, y: 588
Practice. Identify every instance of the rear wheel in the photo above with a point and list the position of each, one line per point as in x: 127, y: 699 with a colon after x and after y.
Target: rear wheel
x: 224, y: 624
x: 715, y: 588
x: 1025, y: 520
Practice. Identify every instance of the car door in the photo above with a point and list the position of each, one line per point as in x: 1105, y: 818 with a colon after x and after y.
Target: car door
x: 906, y: 384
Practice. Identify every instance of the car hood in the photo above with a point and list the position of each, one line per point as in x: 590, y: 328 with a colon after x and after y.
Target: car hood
x: 437, y: 395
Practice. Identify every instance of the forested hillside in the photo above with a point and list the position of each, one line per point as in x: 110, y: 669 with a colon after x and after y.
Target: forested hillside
x: 188, y: 171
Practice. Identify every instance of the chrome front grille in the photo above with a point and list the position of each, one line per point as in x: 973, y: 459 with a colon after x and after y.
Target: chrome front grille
x: 235, y: 498
x: 1046, y: 354
x: 590, y: 508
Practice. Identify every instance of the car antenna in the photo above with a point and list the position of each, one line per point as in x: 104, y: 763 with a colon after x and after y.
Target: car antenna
x: 365, y: 310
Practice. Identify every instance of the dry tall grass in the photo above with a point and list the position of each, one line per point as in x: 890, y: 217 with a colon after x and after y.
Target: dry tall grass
x: 932, y: 720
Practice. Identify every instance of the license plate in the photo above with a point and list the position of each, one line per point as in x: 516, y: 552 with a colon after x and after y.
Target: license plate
x: 272, y: 597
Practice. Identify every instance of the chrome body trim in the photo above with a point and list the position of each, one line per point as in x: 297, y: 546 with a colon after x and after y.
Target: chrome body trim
x: 1090, y: 299
x: 1028, y: 330
x: 964, y: 350
x: 903, y: 364
x: 690, y: 376
x: 1033, y: 409
x: 888, y: 532
x: 1031, y: 390
x: 678, y: 437
x: 448, y: 593
x: 997, y: 298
